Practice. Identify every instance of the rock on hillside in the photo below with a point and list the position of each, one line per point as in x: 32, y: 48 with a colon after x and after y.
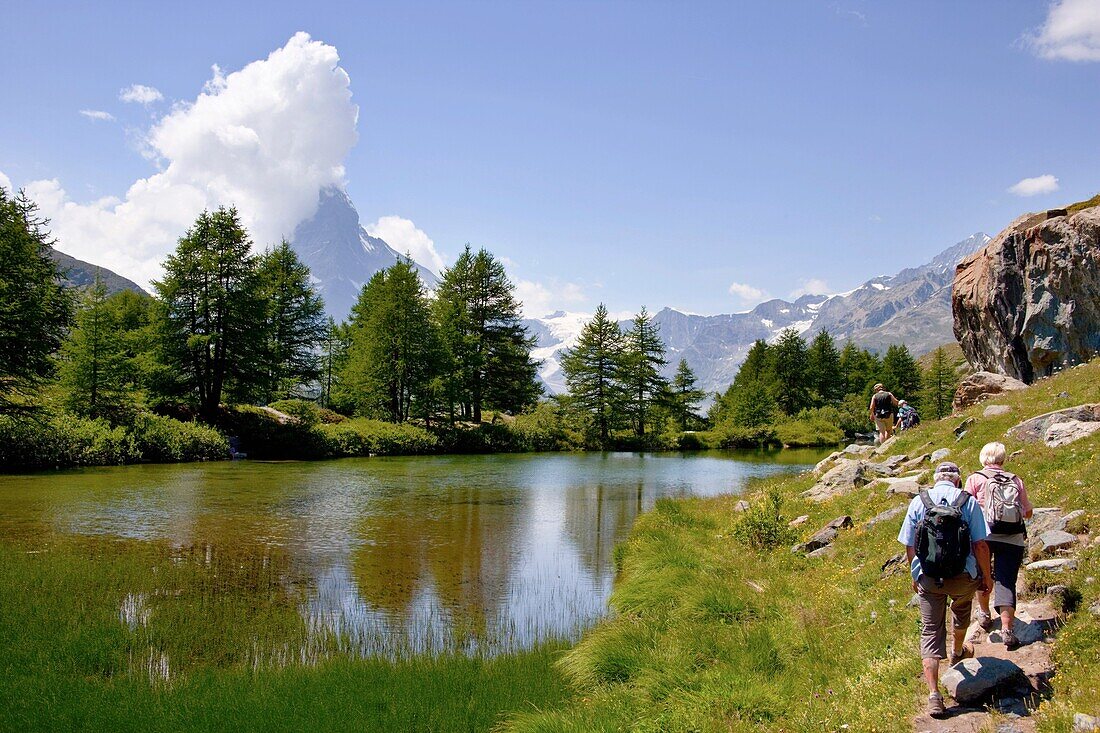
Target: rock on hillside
x: 1029, y: 301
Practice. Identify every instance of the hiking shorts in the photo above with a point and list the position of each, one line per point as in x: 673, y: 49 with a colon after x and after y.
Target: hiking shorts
x: 1006, y: 559
x: 884, y: 424
x: 933, y: 611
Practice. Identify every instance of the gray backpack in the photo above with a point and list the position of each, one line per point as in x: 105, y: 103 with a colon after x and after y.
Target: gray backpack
x: 1002, y: 507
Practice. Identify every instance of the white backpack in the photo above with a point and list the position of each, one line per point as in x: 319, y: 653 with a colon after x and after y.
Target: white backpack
x: 1002, y: 506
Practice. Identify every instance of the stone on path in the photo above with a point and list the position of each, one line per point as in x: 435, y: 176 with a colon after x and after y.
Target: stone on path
x: 883, y: 448
x: 855, y: 449
x: 940, y: 455
x: 1054, y: 540
x: 799, y: 520
x: 996, y: 410
x: 973, y: 679
x: 821, y: 465
x: 1083, y: 723
x: 1053, y: 566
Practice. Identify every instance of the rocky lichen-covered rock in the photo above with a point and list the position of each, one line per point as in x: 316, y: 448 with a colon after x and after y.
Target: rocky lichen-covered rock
x: 846, y: 475
x: 1029, y: 301
x: 1060, y: 427
x: 981, y: 386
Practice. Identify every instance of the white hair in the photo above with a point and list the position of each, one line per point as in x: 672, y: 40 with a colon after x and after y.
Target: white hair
x: 993, y: 454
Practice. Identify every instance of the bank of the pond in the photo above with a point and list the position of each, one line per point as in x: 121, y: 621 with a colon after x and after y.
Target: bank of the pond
x: 70, y: 659
x: 712, y: 633
x: 52, y: 439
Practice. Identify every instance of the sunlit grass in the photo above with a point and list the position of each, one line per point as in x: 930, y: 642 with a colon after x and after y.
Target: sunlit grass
x: 711, y: 635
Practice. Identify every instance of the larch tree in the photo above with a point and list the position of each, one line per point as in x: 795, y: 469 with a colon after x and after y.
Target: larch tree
x: 592, y: 370
x: 823, y: 372
x: 790, y: 372
x: 939, y: 384
x: 643, y: 359
x: 212, y: 312
x: 295, y: 324
x: 684, y: 395
x: 35, y: 308
x: 96, y: 371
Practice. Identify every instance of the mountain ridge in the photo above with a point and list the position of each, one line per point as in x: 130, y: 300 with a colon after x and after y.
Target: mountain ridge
x: 912, y: 307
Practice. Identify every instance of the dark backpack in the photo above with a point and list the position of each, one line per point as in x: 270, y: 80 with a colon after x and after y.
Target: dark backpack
x: 909, y: 418
x: 884, y: 405
x: 943, y: 537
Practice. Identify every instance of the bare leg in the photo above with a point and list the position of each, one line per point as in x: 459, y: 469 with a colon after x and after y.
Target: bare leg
x: 1008, y: 617
x: 931, y: 674
x: 983, y: 602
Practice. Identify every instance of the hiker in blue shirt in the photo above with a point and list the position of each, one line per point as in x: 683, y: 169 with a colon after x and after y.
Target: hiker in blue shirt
x: 934, y: 592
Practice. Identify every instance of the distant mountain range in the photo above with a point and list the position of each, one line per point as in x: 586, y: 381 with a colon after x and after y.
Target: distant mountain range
x: 340, y: 253
x: 81, y: 274
x: 912, y: 307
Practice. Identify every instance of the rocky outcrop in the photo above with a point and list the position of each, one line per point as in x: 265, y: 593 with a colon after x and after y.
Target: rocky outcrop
x: 824, y: 537
x: 1029, y: 301
x: 1060, y: 427
x: 846, y: 475
x: 981, y: 386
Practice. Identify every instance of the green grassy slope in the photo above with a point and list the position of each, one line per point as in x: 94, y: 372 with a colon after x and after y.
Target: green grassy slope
x: 711, y: 635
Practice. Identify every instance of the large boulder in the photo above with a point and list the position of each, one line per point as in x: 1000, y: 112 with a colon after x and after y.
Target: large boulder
x: 846, y: 475
x: 1029, y: 301
x: 973, y: 679
x: 981, y: 386
x: 1076, y: 422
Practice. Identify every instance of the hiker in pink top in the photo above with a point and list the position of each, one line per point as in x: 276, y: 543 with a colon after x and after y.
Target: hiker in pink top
x: 1005, y: 504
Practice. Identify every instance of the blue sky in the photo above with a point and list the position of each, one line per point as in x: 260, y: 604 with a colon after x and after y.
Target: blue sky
x: 634, y: 153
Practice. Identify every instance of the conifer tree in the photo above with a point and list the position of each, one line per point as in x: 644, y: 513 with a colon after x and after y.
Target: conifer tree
x: 35, y: 309
x: 790, y: 372
x: 643, y: 359
x: 859, y: 369
x: 939, y: 383
x: 900, y: 373
x: 295, y: 325
x: 592, y: 372
x: 95, y: 369
x: 823, y: 372
x: 487, y: 346
x: 212, y: 315
x: 394, y: 348
x: 684, y: 395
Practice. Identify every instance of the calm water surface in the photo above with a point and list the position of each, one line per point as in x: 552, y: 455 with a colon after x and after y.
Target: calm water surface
x: 395, y: 555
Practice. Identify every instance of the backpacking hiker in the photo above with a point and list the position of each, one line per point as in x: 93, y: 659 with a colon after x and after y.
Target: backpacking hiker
x: 881, y: 410
x: 944, y: 535
x: 907, y: 416
x: 1004, y: 503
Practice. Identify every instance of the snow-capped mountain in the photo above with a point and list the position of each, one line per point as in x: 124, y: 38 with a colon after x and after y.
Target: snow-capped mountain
x: 912, y: 307
x: 341, y: 255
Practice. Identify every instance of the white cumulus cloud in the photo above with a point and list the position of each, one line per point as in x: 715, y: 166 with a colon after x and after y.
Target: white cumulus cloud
x: 404, y: 236
x: 540, y: 299
x: 265, y: 139
x: 140, y: 94
x: 97, y: 115
x: 5, y: 182
x: 1071, y: 32
x: 810, y: 286
x: 1034, y: 186
x: 747, y: 295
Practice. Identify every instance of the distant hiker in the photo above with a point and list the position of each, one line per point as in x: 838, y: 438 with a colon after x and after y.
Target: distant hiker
x: 944, y: 535
x: 1004, y: 502
x: 907, y: 416
x: 882, y: 408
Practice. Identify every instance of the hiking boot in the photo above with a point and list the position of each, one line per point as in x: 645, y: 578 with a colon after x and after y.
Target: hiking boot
x: 1010, y: 640
x: 985, y: 621
x: 936, y: 708
x: 966, y: 652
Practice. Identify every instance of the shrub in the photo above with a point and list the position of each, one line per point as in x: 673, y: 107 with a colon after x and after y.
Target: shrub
x: 811, y: 428
x: 262, y: 436
x: 304, y: 411
x: 364, y: 437
x: 165, y: 440
x: 62, y: 440
x: 728, y: 435
x: 692, y: 441
x: 544, y: 429
x: 763, y: 525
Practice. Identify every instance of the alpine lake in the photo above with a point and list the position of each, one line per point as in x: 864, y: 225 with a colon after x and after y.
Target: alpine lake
x: 160, y: 569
